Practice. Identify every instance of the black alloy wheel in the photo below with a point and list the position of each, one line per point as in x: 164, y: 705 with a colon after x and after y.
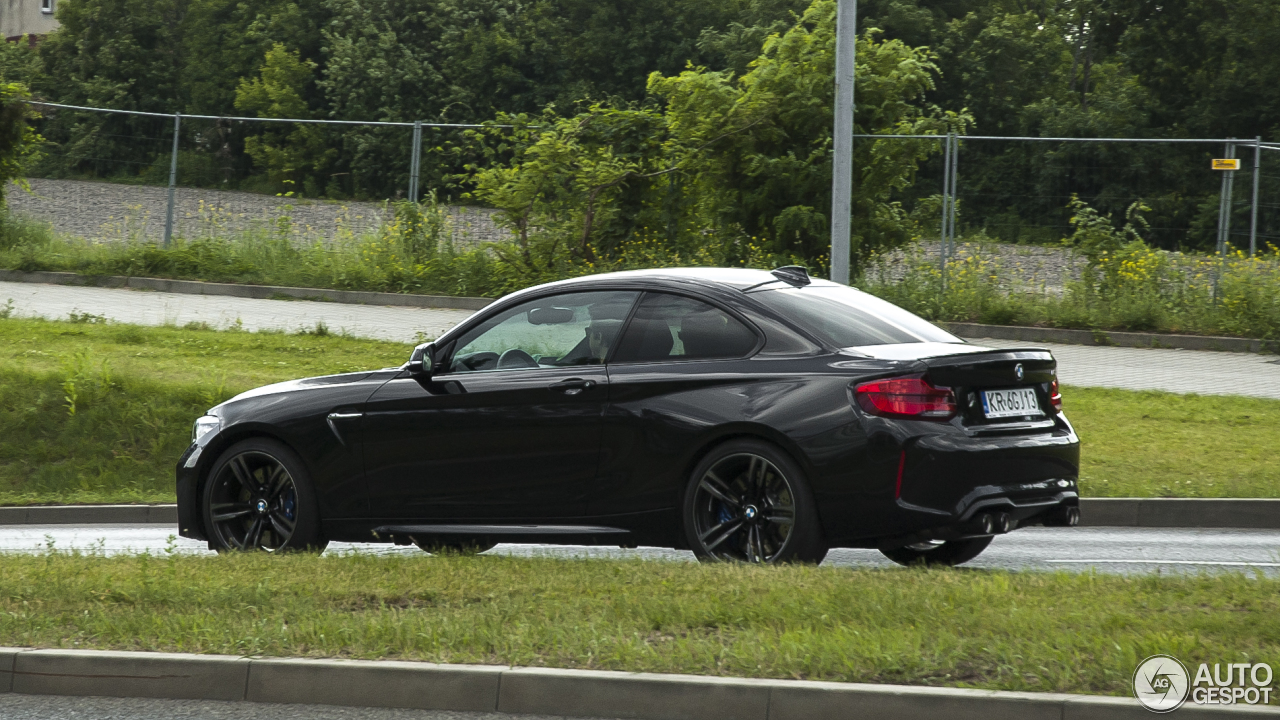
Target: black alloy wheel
x: 259, y: 498
x: 938, y: 553
x: 747, y: 501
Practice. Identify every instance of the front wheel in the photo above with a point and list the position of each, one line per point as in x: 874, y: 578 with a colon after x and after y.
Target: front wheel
x: 259, y: 498
x: 748, y: 501
x: 939, y: 554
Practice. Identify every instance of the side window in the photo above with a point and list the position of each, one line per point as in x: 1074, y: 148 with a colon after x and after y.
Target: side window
x: 550, y: 332
x: 673, y: 327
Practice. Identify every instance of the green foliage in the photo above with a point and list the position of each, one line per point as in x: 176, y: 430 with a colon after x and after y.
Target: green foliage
x: 18, y: 62
x: 1135, y: 288
x: 99, y: 412
x: 414, y: 253
x: 1151, y: 444
x: 291, y: 155
x: 725, y: 162
x: 1096, y: 235
x: 1025, y: 631
x: 19, y: 142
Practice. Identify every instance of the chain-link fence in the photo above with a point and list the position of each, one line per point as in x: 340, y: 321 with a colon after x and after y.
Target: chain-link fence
x: 126, y: 175
x: 117, y: 174
x: 1016, y: 199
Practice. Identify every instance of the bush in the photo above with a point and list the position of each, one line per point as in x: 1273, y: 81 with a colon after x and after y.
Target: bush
x: 18, y: 141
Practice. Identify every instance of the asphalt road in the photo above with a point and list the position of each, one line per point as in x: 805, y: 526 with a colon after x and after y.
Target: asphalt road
x: 1125, y: 551
x: 56, y: 707
x: 1178, y: 371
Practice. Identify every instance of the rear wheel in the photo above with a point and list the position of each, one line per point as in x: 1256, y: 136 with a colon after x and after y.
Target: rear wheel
x: 259, y: 497
x: 748, y: 501
x: 939, y: 554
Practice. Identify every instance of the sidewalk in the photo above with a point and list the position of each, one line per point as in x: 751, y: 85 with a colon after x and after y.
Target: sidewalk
x: 1179, y: 371
x: 153, y: 308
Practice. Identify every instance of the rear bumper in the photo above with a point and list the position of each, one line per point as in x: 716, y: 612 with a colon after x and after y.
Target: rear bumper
x: 937, y: 477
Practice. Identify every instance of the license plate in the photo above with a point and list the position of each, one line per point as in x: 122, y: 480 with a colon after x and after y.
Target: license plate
x: 1010, y: 403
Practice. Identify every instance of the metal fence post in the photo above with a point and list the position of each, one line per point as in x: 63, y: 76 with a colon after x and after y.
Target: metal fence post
x: 415, y: 161
x: 1230, y: 203
x: 955, y: 196
x: 173, y: 180
x: 1224, y: 219
x: 842, y: 140
x: 1253, y: 211
x: 946, y: 203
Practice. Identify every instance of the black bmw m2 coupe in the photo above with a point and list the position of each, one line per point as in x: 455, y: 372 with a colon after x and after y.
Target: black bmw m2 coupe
x: 744, y: 415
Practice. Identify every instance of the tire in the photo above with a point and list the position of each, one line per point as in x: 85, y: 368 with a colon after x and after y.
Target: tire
x: 947, y: 554
x: 259, y: 497
x: 748, y: 501
x: 453, y: 547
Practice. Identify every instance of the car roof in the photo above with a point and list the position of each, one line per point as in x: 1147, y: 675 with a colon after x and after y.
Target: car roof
x: 737, y: 278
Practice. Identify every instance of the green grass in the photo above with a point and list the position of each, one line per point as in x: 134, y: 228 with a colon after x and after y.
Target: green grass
x: 1012, y: 631
x: 1157, y: 444
x: 136, y: 390
x: 100, y: 413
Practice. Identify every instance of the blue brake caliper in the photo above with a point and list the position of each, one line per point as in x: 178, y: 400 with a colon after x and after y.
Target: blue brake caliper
x: 722, y: 513
x: 290, y: 504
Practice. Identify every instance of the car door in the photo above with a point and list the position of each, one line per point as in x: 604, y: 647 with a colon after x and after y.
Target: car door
x: 508, y: 426
x: 680, y: 369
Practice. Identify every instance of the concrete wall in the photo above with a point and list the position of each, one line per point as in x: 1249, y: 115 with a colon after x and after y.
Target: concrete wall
x: 24, y: 17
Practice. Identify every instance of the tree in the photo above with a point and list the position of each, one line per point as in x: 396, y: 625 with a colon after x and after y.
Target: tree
x: 292, y: 155
x: 18, y: 140
x: 728, y: 161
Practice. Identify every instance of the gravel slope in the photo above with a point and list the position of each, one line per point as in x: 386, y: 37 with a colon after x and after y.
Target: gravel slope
x: 107, y: 212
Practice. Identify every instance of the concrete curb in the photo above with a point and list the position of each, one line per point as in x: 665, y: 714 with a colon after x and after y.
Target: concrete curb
x: 257, y: 292
x: 1108, y: 337
x: 1236, y: 513
x: 90, y: 515
x: 428, y: 686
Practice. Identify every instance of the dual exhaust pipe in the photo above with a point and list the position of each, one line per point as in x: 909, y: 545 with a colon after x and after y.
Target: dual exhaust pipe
x: 996, y: 523
x: 984, y: 524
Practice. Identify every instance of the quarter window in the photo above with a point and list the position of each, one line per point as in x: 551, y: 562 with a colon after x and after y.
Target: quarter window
x: 557, y: 331
x: 673, y: 327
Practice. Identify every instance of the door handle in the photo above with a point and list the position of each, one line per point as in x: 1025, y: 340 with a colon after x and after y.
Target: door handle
x: 572, y: 386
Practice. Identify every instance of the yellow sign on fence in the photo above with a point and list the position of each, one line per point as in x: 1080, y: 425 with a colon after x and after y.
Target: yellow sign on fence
x: 1226, y: 164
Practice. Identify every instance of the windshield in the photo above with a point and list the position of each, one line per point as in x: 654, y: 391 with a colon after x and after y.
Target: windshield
x: 845, y: 317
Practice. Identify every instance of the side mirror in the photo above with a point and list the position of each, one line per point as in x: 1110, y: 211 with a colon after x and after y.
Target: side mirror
x: 420, y: 363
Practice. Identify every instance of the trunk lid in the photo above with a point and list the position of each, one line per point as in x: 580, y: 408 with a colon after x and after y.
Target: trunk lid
x: 981, y: 380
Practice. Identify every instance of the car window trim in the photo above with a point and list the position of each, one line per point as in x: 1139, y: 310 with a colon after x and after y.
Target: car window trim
x: 714, y: 302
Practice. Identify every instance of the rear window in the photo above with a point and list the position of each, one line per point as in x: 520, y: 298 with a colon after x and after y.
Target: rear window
x: 672, y: 327
x: 845, y: 317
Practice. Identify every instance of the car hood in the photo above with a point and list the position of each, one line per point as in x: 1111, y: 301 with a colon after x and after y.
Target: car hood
x: 312, y: 383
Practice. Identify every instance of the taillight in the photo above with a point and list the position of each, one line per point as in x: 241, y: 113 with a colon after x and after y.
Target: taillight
x: 906, y: 397
x: 1055, y: 397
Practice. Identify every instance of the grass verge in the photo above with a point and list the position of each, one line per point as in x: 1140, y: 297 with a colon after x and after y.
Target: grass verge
x: 1010, y: 631
x: 100, y: 412
x: 1158, y: 444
